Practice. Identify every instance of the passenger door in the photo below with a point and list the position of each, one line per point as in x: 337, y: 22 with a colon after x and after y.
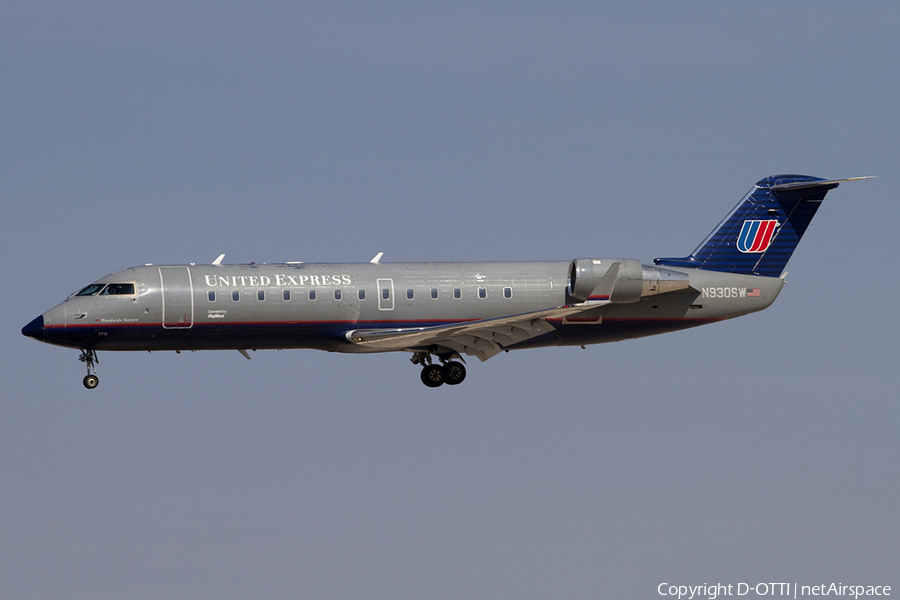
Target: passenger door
x: 177, y: 297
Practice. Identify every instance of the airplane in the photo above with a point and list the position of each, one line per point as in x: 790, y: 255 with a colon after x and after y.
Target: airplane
x: 436, y: 311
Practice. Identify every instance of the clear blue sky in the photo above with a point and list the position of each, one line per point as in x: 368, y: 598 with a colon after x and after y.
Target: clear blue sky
x: 761, y: 449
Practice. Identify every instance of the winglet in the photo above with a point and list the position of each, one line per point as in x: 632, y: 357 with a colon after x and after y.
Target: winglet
x: 377, y: 258
x: 607, y: 286
x: 218, y: 261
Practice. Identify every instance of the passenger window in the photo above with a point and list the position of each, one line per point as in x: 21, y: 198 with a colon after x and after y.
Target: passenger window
x: 337, y: 294
x: 286, y: 294
x: 211, y: 295
x: 312, y: 294
x: 434, y: 293
x: 457, y: 293
x: 235, y: 295
x: 482, y: 293
x: 386, y: 293
x: 261, y: 295
x: 507, y: 292
x: 361, y: 294
x: 118, y: 289
x: 410, y: 294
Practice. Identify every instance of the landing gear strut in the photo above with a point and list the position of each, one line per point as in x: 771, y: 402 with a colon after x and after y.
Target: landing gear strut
x: 450, y: 372
x: 89, y: 358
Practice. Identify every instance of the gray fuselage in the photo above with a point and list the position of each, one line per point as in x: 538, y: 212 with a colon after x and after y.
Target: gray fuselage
x: 309, y: 305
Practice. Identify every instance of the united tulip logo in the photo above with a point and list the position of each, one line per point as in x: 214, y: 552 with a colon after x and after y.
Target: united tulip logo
x: 756, y: 236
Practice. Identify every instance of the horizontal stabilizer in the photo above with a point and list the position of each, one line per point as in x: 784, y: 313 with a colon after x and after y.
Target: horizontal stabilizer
x: 798, y: 185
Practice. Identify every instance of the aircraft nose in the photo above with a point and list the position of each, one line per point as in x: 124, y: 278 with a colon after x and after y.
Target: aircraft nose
x: 35, y: 329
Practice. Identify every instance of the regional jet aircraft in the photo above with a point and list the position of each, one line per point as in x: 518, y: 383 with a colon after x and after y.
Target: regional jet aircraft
x: 439, y: 312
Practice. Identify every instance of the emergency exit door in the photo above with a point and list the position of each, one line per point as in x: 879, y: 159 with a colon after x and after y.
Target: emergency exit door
x: 385, y: 294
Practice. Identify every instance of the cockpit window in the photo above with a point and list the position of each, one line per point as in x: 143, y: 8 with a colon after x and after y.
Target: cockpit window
x: 91, y: 290
x: 118, y: 289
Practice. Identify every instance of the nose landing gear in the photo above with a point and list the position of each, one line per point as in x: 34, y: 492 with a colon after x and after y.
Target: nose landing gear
x: 89, y: 358
x: 450, y: 372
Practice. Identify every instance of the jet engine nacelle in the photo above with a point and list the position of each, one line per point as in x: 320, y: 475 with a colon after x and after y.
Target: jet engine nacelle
x: 621, y: 280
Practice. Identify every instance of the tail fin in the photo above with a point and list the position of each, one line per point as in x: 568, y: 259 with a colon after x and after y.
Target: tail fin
x: 759, y: 235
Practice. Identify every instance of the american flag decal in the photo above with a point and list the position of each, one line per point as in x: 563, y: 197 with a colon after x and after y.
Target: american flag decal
x: 754, y: 293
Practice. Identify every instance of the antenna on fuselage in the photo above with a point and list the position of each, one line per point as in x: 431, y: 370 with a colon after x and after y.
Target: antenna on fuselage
x: 218, y: 261
x: 377, y: 258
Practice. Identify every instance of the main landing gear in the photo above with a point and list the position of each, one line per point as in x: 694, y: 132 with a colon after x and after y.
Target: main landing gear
x: 450, y: 372
x: 89, y: 358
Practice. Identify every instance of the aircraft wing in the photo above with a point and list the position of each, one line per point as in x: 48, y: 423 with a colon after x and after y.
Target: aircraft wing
x: 483, y: 338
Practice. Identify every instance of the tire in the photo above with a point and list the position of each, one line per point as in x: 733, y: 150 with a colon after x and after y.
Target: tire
x: 453, y: 373
x: 90, y: 381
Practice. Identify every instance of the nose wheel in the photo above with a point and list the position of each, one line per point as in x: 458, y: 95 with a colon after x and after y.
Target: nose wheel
x: 89, y: 358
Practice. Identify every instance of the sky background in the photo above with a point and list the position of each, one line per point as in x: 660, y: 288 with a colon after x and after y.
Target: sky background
x: 763, y: 449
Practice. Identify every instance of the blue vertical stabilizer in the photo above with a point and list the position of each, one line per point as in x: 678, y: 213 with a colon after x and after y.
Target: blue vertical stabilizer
x: 759, y: 235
